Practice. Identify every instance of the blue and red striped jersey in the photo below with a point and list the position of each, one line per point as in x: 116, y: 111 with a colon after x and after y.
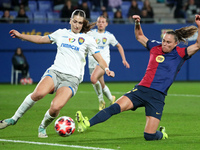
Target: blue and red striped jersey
x: 163, y: 67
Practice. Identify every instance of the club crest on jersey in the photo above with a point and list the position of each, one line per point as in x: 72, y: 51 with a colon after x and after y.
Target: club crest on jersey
x: 104, y: 40
x: 160, y: 58
x: 81, y: 40
x: 71, y: 40
x: 97, y: 41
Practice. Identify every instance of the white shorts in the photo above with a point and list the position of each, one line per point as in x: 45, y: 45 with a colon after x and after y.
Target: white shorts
x: 92, y: 62
x: 61, y: 80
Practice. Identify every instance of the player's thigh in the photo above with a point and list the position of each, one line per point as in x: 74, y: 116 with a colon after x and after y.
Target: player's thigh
x: 125, y: 103
x: 62, y: 96
x: 151, y: 124
x: 44, y: 87
x: 91, y: 70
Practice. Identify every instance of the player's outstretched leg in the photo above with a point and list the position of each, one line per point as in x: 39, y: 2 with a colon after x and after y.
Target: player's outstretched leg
x: 83, y: 123
x: 7, y: 122
x: 162, y: 129
x: 26, y: 105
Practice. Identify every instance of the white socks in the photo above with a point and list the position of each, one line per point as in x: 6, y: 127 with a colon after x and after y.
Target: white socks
x: 47, y: 119
x: 98, y: 90
x: 107, y: 93
x: 26, y: 105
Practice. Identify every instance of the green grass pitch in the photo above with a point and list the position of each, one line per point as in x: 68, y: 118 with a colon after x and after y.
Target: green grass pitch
x: 181, y: 117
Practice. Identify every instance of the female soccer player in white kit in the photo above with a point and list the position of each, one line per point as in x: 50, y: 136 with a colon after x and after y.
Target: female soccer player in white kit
x: 64, y: 76
x: 103, y: 39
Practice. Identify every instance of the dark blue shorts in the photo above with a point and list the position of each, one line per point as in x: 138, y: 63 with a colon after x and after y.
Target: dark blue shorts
x: 152, y: 100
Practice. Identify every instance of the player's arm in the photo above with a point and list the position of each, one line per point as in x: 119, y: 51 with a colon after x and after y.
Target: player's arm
x: 138, y: 31
x: 121, y: 51
x: 31, y: 38
x: 192, y: 49
x: 103, y: 64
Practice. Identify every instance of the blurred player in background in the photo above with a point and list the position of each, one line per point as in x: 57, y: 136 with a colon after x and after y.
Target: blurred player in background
x: 64, y: 76
x: 103, y: 39
x: 165, y: 61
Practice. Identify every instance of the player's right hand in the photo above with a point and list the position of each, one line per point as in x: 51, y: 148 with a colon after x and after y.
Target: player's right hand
x: 14, y: 33
x: 110, y: 73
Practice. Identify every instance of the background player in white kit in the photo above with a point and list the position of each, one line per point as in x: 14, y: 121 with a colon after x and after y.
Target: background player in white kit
x: 64, y: 76
x: 103, y: 39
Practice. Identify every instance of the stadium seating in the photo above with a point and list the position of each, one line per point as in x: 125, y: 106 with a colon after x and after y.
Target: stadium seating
x: 32, y: 6
x: 89, y: 3
x: 125, y: 7
x: 53, y: 17
x: 110, y: 14
x: 1, y: 14
x: 39, y: 17
x: 41, y: 11
x: 44, y: 6
x: 13, y: 13
x: 140, y: 4
x: 94, y: 16
x: 30, y: 16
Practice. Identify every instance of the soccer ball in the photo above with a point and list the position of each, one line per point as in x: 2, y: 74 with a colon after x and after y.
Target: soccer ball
x: 23, y: 81
x: 29, y: 80
x: 65, y: 126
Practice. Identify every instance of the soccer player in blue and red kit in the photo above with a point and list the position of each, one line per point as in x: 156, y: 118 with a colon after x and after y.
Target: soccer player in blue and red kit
x: 165, y: 61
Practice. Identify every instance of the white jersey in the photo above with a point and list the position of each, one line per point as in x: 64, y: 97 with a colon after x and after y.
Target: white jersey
x: 71, y: 51
x: 103, y: 41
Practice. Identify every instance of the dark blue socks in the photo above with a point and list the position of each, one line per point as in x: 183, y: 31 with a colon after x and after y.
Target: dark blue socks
x: 156, y: 136
x: 105, y: 114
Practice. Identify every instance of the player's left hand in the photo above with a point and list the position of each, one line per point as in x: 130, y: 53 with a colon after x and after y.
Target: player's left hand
x: 110, y: 73
x: 126, y: 64
x: 136, y: 17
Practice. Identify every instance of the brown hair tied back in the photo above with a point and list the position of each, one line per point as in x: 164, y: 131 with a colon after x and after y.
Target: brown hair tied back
x: 182, y: 34
x: 87, y: 26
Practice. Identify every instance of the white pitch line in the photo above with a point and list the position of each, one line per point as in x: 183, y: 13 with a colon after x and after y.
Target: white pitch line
x: 122, y: 93
x: 182, y: 95
x: 54, y: 144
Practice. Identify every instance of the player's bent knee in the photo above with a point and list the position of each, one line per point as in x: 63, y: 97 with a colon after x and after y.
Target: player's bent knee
x: 149, y: 137
x: 55, y: 108
x: 37, y: 96
x: 93, y: 80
